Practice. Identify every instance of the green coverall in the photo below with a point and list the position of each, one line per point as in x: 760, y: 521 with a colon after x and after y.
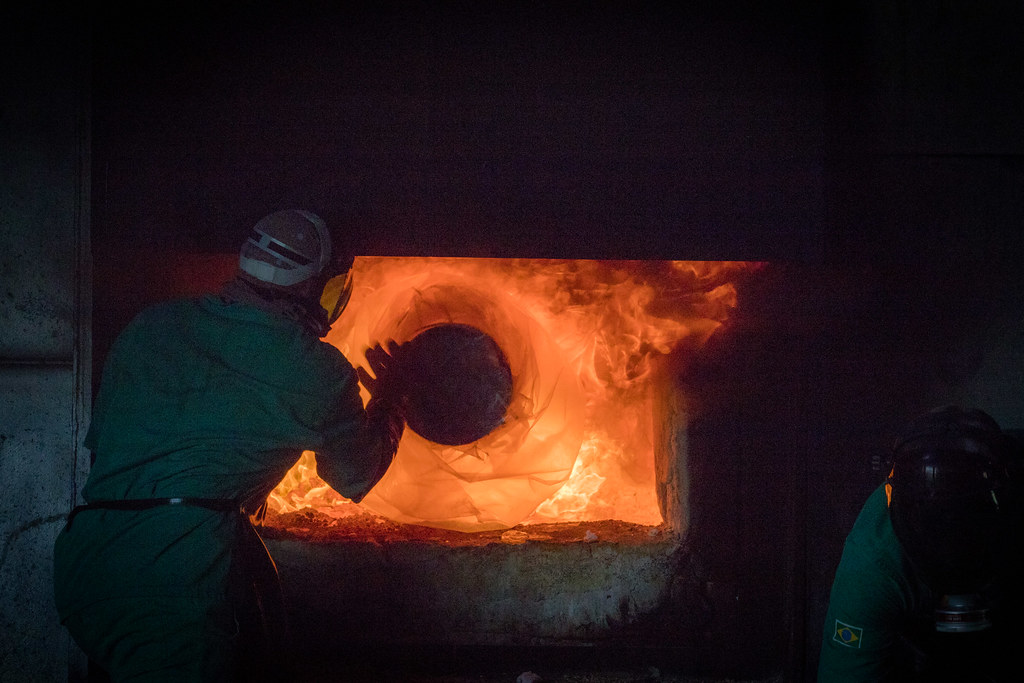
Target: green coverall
x: 205, y: 398
x: 870, y: 597
x: 880, y: 617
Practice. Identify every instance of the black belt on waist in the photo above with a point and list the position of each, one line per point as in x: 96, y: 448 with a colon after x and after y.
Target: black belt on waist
x: 216, y: 504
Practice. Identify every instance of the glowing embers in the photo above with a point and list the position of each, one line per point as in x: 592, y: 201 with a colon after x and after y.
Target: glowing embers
x: 575, y: 442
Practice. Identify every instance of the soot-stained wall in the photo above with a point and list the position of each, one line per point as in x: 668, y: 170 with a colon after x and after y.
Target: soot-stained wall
x: 873, y: 154
x: 484, y: 129
x: 870, y: 153
x: 44, y: 323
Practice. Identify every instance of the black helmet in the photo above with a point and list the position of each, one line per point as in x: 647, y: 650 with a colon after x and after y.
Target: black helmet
x: 950, y: 490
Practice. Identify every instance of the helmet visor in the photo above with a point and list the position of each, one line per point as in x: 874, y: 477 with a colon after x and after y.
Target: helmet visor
x: 336, y: 294
x: 954, y: 541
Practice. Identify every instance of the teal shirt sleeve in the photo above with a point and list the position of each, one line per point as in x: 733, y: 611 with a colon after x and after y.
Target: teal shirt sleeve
x: 354, y: 451
x: 869, y: 602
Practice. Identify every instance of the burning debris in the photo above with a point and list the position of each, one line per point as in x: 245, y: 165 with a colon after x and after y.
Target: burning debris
x: 545, y: 415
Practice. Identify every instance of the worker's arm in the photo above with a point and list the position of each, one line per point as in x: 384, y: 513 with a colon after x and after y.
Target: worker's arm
x: 359, y: 445
x: 868, y: 604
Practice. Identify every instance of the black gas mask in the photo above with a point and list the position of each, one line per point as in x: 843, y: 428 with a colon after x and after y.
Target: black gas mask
x: 950, y: 508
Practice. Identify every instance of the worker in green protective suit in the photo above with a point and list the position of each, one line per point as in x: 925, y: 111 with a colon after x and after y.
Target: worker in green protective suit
x: 929, y: 586
x: 204, y: 405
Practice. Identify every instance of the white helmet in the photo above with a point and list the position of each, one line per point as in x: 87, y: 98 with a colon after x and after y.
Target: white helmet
x: 287, y: 248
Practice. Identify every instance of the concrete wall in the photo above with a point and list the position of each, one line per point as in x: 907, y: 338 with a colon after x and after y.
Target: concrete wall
x: 903, y: 146
x: 44, y: 314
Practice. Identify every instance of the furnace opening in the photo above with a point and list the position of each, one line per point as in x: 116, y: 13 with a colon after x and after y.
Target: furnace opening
x: 556, y: 359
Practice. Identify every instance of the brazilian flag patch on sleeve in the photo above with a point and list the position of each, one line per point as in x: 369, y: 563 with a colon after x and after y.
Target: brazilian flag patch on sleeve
x: 847, y: 635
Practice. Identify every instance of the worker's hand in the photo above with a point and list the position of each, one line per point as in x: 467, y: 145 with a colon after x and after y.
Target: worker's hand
x: 385, y: 407
x: 384, y: 384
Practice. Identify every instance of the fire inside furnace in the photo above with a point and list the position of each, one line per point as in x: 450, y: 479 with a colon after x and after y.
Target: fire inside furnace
x: 531, y: 386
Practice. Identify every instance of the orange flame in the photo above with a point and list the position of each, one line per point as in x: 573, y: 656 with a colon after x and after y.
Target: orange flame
x: 580, y: 335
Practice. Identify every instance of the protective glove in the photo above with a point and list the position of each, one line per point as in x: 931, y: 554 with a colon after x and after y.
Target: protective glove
x: 385, y: 383
x: 385, y: 408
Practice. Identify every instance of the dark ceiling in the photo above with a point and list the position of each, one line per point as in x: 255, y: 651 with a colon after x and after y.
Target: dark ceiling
x: 638, y: 130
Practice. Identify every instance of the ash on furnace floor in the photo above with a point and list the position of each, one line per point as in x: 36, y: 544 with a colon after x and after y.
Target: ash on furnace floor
x: 316, y: 527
